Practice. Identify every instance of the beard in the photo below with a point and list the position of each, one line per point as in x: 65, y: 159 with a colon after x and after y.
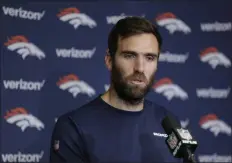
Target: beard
x: 128, y: 92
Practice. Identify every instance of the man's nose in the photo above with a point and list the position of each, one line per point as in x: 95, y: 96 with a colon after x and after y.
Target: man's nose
x: 139, y: 64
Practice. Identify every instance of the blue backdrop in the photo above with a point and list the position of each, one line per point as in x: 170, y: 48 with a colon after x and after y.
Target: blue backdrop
x: 52, y: 61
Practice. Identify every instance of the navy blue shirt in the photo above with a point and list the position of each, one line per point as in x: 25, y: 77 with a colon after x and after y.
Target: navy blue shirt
x: 99, y: 133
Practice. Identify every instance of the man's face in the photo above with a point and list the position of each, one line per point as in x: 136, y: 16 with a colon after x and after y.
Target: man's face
x: 134, y: 66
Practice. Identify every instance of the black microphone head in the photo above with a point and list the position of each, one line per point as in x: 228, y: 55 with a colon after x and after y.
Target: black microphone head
x: 179, y: 140
x: 169, y: 123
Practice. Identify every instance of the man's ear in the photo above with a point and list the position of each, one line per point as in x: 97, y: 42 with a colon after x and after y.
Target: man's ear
x: 108, y: 60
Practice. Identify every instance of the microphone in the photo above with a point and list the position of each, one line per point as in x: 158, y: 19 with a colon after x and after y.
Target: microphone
x: 179, y: 141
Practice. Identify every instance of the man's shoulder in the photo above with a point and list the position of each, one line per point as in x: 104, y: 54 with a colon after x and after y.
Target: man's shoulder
x: 81, y: 113
x: 158, y: 110
x: 154, y: 106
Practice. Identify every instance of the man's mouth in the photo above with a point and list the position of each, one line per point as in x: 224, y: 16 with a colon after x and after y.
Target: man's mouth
x: 138, y: 81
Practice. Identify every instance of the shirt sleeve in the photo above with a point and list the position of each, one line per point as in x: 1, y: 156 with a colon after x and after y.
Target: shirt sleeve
x: 67, y: 144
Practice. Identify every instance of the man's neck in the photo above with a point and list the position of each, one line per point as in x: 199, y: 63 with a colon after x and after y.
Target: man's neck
x: 112, y: 99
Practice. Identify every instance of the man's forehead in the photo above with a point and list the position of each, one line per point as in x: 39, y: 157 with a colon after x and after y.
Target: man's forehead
x: 139, y: 53
x: 138, y: 49
x: 138, y: 37
x: 143, y: 44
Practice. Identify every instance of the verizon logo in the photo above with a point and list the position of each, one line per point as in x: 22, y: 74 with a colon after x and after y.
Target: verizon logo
x: 173, y: 57
x: 215, y: 158
x: 75, y: 53
x: 216, y: 27
x: 21, y: 13
x: 23, y: 85
x: 212, y: 93
x: 22, y: 157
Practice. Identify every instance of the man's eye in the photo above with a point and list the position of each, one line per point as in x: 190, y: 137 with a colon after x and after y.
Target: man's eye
x: 129, y: 55
x: 151, y: 57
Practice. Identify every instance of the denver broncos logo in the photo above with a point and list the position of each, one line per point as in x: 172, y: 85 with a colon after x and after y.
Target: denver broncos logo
x: 23, y: 119
x: 170, y: 90
x: 75, y: 86
x: 215, y: 125
x: 184, y: 123
x: 75, y: 18
x: 106, y: 86
x: 23, y: 47
x: 212, y: 56
x: 172, y: 23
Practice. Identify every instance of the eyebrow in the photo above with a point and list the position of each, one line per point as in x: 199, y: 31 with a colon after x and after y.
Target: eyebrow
x: 133, y: 52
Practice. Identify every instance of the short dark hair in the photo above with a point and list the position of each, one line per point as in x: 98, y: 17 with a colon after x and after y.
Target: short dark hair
x: 130, y: 26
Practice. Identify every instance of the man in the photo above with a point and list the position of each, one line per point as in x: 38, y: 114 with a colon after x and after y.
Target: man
x: 119, y: 126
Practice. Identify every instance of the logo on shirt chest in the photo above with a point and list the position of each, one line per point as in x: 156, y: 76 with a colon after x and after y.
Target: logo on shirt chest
x: 160, y: 134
